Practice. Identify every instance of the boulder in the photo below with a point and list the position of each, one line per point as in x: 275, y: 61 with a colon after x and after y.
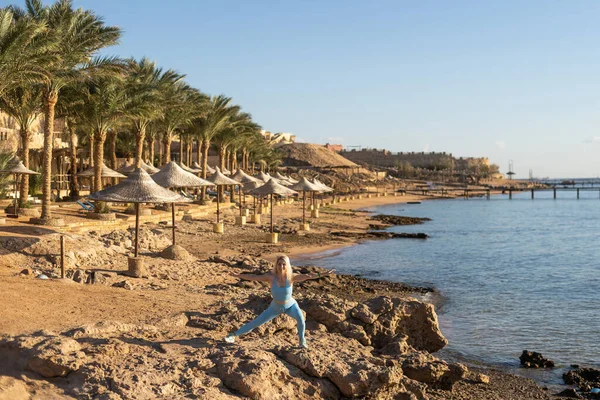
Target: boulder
x: 531, y: 359
x: 327, y: 310
x: 258, y: 374
x: 177, y: 253
x: 584, y: 378
x: 423, y: 367
x: 56, y: 356
x: 346, y: 363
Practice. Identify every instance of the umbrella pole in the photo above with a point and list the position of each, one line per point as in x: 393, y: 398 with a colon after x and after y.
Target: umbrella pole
x: 16, y: 192
x: 173, y: 217
x: 137, y: 228
x: 304, y: 207
x: 218, y: 201
x: 271, y: 213
x: 240, y: 193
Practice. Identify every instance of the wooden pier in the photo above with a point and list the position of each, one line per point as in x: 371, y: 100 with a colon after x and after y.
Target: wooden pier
x: 483, y: 192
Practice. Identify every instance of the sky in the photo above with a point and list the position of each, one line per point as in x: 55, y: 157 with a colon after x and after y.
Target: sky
x: 504, y: 79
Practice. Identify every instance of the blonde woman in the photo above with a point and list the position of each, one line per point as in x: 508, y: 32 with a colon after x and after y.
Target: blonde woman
x: 281, y: 279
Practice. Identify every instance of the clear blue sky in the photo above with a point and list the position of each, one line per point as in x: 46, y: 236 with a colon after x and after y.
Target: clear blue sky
x: 505, y: 79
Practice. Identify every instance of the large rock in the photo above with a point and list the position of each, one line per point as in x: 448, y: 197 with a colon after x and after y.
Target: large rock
x: 423, y: 367
x: 346, y: 363
x: 327, y: 310
x: 261, y: 375
x: 531, y: 359
x: 56, y: 356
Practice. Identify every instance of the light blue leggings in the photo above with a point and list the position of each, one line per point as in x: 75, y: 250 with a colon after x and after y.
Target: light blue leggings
x: 291, y: 308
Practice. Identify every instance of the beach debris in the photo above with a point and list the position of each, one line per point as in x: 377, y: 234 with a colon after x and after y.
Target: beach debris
x: 42, y: 276
x: 532, y: 359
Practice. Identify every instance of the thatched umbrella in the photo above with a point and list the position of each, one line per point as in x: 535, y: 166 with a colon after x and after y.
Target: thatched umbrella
x: 210, y: 170
x: 243, y: 178
x: 226, y: 171
x: 248, y: 187
x: 197, y: 166
x: 17, y: 168
x: 138, y: 188
x: 188, y: 169
x: 106, y: 173
x: 218, y: 179
x: 172, y: 176
x: 284, y: 179
x: 127, y: 169
x: 305, y: 186
x: 271, y: 188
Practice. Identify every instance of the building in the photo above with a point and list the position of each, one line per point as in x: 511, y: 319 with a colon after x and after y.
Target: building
x: 278, y: 138
x: 334, y: 147
x: 11, y: 142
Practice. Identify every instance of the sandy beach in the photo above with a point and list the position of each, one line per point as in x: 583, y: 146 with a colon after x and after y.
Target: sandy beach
x: 161, y: 336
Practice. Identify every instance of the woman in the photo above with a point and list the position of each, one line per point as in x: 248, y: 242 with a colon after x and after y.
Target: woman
x: 281, y: 280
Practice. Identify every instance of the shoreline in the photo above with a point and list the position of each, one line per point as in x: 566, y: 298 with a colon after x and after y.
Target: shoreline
x: 197, y: 286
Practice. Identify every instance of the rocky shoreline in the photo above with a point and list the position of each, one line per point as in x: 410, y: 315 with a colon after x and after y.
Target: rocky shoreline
x: 161, y: 336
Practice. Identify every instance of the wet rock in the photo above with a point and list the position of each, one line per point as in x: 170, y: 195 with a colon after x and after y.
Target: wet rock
x: 570, y: 394
x: 398, y: 220
x: 56, y: 356
x: 584, y: 378
x: 531, y: 359
x: 351, y: 367
x: 427, y: 369
x: 261, y: 375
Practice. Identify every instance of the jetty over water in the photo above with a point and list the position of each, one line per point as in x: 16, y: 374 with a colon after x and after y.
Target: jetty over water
x: 487, y: 192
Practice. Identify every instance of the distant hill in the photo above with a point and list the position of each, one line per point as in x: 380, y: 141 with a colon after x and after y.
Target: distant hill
x: 312, y: 155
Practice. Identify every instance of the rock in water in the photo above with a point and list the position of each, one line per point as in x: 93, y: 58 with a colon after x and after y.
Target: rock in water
x: 531, y: 359
x: 585, y: 378
x: 176, y: 252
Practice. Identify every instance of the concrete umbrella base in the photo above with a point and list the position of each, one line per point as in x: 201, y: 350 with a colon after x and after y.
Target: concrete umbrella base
x: 135, y: 267
x: 273, y: 238
x: 255, y: 219
x: 314, y: 213
x: 218, y: 228
x: 304, y: 227
x: 240, y: 221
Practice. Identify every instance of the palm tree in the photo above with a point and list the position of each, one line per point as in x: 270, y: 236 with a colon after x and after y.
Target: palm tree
x: 145, y: 83
x: 24, y: 105
x: 77, y: 34
x: 182, y: 104
x: 106, y: 101
x: 25, y: 49
x: 215, y: 118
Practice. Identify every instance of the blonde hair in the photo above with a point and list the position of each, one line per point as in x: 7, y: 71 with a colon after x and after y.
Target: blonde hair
x: 287, y: 274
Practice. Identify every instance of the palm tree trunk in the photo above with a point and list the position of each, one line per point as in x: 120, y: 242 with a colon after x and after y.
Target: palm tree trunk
x: 222, y: 167
x: 74, y: 184
x: 112, y: 149
x: 167, y: 139
x: 160, y: 151
x: 205, y: 146
x: 190, y: 151
x: 151, y: 143
x: 99, y: 139
x: 198, y: 152
x: 91, y: 144
x: 51, y: 100
x: 24, y: 191
x: 140, y: 136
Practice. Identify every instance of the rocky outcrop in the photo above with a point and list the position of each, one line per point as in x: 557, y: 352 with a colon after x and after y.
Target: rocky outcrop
x: 531, y: 359
x: 398, y: 220
x: 261, y: 375
x: 436, y: 373
x: 584, y: 378
x: 393, y: 326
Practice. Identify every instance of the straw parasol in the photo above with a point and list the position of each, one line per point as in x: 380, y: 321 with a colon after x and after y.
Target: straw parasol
x: 244, y: 178
x: 197, y: 166
x: 172, y: 175
x: 188, y: 169
x: 210, y: 170
x: 218, y: 179
x: 324, y: 187
x: 17, y: 168
x: 284, y: 179
x: 106, y: 173
x: 271, y: 188
x: 127, y: 169
x: 138, y: 188
x: 226, y: 171
x: 305, y: 186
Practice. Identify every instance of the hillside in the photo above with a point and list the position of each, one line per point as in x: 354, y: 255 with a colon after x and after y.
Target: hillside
x: 307, y: 154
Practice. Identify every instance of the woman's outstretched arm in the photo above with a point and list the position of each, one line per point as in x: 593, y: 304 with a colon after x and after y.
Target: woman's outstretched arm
x: 315, y: 275
x: 254, y: 277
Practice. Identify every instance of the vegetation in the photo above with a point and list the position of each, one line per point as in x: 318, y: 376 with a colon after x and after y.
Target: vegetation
x: 49, y: 65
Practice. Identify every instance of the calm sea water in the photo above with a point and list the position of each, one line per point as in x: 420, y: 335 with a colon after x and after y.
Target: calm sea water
x: 517, y: 274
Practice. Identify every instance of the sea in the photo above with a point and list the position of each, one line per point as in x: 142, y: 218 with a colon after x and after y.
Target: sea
x: 514, y: 275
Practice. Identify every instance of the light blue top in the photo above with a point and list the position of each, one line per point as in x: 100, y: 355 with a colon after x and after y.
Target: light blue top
x: 281, y: 294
